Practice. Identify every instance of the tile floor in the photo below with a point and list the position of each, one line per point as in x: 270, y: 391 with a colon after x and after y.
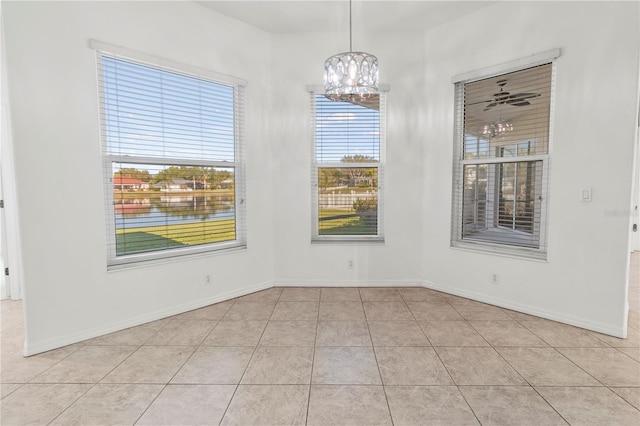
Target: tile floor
x: 331, y: 356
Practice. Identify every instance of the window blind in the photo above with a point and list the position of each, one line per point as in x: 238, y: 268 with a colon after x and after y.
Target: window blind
x: 347, y: 132
x: 520, y: 102
x: 155, y: 113
x: 501, y: 162
x: 347, y: 167
x: 173, y: 160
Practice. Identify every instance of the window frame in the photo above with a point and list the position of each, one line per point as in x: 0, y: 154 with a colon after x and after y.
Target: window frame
x: 316, y: 237
x: 115, y: 261
x: 459, y: 162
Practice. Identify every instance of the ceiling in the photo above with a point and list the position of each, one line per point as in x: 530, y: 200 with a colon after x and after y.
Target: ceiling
x: 286, y: 16
x: 306, y: 16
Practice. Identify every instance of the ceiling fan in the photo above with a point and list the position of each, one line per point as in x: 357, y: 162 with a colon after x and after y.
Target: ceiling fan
x: 504, y: 97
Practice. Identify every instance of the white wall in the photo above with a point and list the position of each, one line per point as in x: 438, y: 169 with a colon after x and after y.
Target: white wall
x: 584, y: 280
x: 297, y: 62
x: 10, y: 286
x: 634, y: 208
x: 68, y: 293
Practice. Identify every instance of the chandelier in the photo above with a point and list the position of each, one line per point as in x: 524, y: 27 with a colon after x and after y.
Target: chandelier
x: 350, y: 74
x: 493, y: 130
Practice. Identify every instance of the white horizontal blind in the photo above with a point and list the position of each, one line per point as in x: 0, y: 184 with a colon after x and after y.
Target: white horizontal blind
x: 501, y: 166
x: 347, y: 132
x: 520, y: 99
x: 347, y: 167
x: 181, y: 117
x: 173, y: 160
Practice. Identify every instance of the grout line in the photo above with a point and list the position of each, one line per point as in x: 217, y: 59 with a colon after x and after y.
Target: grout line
x: 313, y: 361
x: 621, y: 397
x: 576, y: 364
x: 93, y: 385
x: 550, y: 404
x: 532, y: 386
x: 424, y: 333
x: 196, y: 348
x: 375, y: 356
x: 521, y: 322
x: 249, y: 362
x: 179, y: 368
x: 618, y: 348
x: 464, y: 398
x: 151, y: 403
x: 72, y: 404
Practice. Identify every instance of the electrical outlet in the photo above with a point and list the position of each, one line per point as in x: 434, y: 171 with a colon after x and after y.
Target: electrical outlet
x: 350, y: 264
x: 495, y: 279
x: 208, y: 280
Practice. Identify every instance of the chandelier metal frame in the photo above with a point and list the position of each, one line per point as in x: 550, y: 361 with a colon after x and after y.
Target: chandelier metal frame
x: 350, y: 74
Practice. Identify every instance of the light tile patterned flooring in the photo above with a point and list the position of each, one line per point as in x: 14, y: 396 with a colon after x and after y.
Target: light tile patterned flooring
x: 331, y: 356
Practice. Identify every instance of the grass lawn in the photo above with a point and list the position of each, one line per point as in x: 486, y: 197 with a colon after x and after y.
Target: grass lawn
x: 344, y: 226
x: 135, y: 240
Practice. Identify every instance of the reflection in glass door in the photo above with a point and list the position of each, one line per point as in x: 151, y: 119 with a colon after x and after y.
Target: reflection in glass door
x: 475, y: 198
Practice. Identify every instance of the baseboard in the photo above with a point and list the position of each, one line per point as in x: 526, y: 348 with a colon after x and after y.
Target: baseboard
x: 50, y: 344
x: 348, y: 283
x: 531, y: 310
x: 70, y: 339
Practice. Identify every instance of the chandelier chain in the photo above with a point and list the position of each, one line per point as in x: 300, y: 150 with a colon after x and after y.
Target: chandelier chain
x: 350, y: 74
x: 350, y: 30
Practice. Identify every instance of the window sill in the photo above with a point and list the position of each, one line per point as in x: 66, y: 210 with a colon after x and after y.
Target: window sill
x: 522, y: 253
x: 144, y: 261
x: 347, y: 240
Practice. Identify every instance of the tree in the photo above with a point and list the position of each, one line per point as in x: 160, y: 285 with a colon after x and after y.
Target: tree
x: 167, y: 174
x: 130, y: 172
x: 367, y: 176
x: 205, y: 177
x: 328, y: 177
x: 357, y: 158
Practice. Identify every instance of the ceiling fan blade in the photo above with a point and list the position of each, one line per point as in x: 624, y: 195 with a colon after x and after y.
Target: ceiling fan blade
x: 491, y: 105
x: 481, y: 102
x: 520, y: 99
x: 518, y: 102
x: 524, y: 96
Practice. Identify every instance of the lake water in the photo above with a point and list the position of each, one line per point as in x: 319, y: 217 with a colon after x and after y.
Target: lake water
x: 169, y: 210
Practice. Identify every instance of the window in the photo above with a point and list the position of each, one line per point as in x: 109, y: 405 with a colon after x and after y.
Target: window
x: 502, y: 161
x: 347, y: 170
x: 172, y: 144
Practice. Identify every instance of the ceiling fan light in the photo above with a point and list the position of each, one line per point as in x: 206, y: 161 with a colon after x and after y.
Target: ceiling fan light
x: 500, y: 128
